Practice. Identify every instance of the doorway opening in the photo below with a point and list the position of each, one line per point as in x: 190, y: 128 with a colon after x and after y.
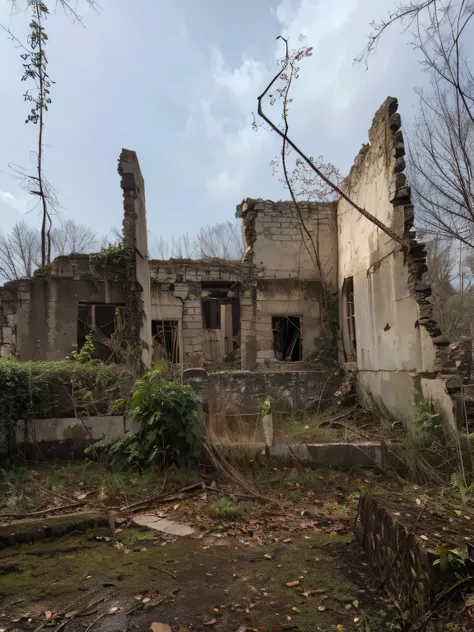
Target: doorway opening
x: 99, y: 320
x: 349, y: 325
x: 165, y: 340
x: 287, y: 342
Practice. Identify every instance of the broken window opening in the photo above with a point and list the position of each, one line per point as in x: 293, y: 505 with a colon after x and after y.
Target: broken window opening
x: 165, y: 340
x: 211, y: 313
x: 287, y: 340
x: 350, y: 326
x: 100, y: 320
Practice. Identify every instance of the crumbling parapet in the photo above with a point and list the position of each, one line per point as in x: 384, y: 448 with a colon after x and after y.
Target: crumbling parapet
x: 135, y: 236
x: 416, y: 253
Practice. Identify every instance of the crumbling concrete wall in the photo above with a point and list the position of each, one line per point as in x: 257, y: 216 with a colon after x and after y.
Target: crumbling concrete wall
x: 177, y: 292
x: 396, y: 336
x: 287, y: 273
x: 135, y: 234
x: 42, y: 312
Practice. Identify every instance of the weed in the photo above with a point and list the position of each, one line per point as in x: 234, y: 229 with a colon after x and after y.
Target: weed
x: 18, y: 502
x: 185, y: 475
x: 225, y: 509
x: 294, y: 495
x: 427, y: 448
x: 381, y: 622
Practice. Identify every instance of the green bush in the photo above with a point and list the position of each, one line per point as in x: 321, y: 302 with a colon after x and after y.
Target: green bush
x: 170, y: 428
x: 39, y: 390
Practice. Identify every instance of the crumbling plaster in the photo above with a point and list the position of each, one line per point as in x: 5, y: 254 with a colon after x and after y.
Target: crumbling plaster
x: 176, y: 294
x: 285, y: 277
x: 396, y: 336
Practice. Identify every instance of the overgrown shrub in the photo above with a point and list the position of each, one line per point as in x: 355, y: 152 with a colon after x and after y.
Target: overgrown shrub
x: 170, y: 428
x: 427, y: 450
x: 35, y: 390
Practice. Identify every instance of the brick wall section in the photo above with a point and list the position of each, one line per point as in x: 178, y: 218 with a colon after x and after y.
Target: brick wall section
x: 285, y: 276
x: 8, y: 308
x: 183, y: 279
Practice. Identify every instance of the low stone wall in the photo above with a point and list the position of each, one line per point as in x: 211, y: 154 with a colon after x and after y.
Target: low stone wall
x: 66, y: 438
x: 232, y: 400
x: 243, y: 392
x: 398, y: 558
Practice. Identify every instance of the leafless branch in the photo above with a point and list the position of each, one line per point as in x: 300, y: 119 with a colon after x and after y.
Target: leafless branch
x: 312, y: 166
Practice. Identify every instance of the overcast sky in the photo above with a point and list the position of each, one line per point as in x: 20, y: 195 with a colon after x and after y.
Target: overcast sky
x: 177, y: 82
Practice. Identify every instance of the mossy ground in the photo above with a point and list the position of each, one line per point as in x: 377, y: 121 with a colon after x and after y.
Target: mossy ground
x: 234, y: 583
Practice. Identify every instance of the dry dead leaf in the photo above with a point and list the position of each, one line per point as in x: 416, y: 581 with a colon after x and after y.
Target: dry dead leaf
x: 114, y: 610
x: 177, y: 506
x: 160, y: 627
x: 295, y: 583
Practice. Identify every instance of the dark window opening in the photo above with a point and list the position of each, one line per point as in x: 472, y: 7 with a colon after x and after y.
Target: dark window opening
x: 211, y: 313
x: 287, y: 341
x: 350, y: 326
x: 165, y: 340
x: 100, y: 321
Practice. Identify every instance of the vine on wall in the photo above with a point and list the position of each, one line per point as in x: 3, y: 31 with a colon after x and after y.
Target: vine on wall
x: 117, y: 265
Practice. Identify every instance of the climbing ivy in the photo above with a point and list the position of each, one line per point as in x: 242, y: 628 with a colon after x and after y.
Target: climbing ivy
x: 117, y: 264
x: 328, y: 351
x: 170, y: 428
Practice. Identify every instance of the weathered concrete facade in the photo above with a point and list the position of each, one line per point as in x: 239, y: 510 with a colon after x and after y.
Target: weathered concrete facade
x: 40, y: 315
x: 270, y: 305
x: 291, y: 253
x: 181, y: 292
x: 386, y: 315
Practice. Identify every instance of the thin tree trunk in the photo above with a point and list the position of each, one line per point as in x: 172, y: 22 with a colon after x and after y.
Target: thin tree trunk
x: 45, y: 252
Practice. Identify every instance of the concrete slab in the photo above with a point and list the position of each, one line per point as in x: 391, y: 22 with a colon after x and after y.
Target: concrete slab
x: 363, y: 454
x: 151, y: 521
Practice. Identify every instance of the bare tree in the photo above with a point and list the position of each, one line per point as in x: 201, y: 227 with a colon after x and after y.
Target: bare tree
x: 183, y: 247
x: 441, y: 150
x: 35, y: 70
x: 450, y: 272
x: 220, y: 241
x: 162, y: 248
x: 20, y: 252
x: 289, y: 71
x: 71, y: 237
x: 441, y: 161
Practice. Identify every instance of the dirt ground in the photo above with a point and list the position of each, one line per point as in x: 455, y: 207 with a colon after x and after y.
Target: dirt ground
x: 290, y: 564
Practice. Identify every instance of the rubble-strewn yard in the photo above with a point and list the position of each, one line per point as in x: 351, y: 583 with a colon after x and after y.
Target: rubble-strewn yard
x: 250, y: 565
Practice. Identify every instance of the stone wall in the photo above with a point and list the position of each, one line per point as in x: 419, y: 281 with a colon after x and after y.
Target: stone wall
x: 135, y: 234
x: 40, y: 314
x: 286, y: 275
x: 177, y: 287
x: 66, y: 438
x: 395, y: 334
x: 232, y: 400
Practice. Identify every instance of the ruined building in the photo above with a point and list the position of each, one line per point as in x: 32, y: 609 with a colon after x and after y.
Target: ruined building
x: 270, y: 306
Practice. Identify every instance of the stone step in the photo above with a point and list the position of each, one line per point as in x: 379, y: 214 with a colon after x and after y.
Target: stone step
x: 345, y: 455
